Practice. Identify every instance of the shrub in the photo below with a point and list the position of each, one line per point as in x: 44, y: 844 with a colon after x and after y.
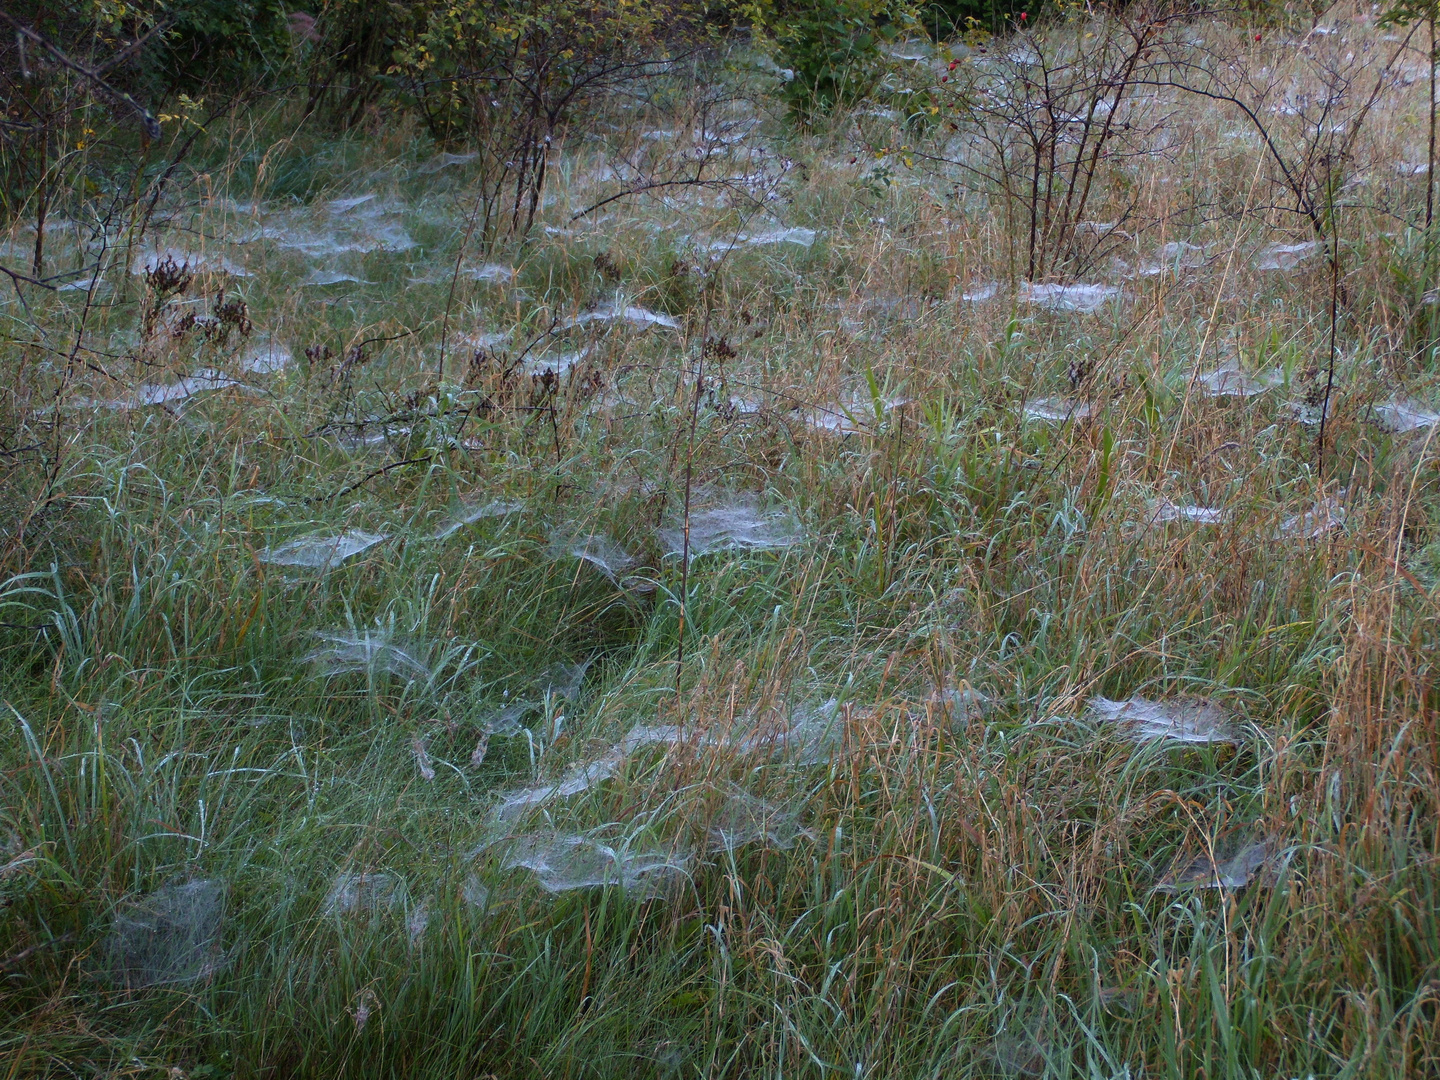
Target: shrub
x: 950, y: 18
x: 211, y: 43
x: 832, y: 46
x: 507, y: 77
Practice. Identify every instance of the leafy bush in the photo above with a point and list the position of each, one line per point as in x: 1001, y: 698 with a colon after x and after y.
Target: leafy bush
x: 507, y: 77
x: 949, y: 18
x: 832, y: 46
x: 185, y: 45
x: 209, y: 42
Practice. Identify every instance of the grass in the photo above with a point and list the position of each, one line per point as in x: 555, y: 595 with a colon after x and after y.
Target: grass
x: 938, y: 896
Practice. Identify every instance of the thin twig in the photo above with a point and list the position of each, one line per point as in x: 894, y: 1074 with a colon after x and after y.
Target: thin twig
x: 25, y: 954
x: 17, y: 277
x: 454, y: 280
x: 379, y: 472
x: 147, y: 119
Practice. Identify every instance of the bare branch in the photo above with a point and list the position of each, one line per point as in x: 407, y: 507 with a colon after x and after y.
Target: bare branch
x: 148, y: 123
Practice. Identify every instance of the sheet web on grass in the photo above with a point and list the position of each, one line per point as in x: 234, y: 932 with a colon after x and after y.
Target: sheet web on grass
x: 957, y: 707
x: 1250, y: 861
x: 359, y: 225
x: 811, y: 734
x: 562, y: 861
x: 486, y: 339
x: 365, y: 650
x: 1056, y: 409
x: 737, y: 524
x: 1163, y: 510
x: 563, y: 680
x: 565, y: 861
x: 596, y: 549
x: 148, y: 395
x: 506, y: 720
x: 559, y: 364
x: 1232, y: 382
x: 1176, y: 255
x: 170, y: 936
x: 796, y: 235
x: 853, y: 417
x: 1405, y: 415
x: 559, y: 682
x: 1284, y: 256
x: 469, y: 515
x: 321, y: 277
x: 181, y: 261
x: 742, y: 819
x: 578, y: 778
x: 1080, y: 299
x: 444, y: 161
x: 320, y: 551
x: 1326, y: 515
x: 352, y: 893
x: 265, y: 358
x: 584, y: 775
x: 490, y: 273
x: 619, y: 311
x: 1185, y: 720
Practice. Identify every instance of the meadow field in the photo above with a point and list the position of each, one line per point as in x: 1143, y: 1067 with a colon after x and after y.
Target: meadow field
x: 946, y: 587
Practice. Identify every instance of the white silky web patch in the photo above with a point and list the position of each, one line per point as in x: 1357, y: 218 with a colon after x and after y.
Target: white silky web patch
x: 149, y: 395
x: 596, y: 549
x: 471, y: 514
x: 368, y: 650
x: 1404, y: 415
x: 1284, y: 256
x: 636, y: 316
x: 193, y: 262
x: 320, y: 552
x: 352, y: 893
x: 170, y: 936
x: 1164, y: 510
x: 738, y: 524
x: 1230, y: 382
x: 1206, y: 871
x: 565, y: 861
x: 1314, y: 523
x: 1080, y: 299
x: 1054, y: 409
x: 1184, y: 720
x: 743, y: 819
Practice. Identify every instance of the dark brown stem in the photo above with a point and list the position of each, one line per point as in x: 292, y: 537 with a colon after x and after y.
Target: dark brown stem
x: 42, y: 204
x: 454, y: 279
x: 17, y: 277
x: 1430, y: 160
x: 379, y: 472
x: 1330, y: 369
